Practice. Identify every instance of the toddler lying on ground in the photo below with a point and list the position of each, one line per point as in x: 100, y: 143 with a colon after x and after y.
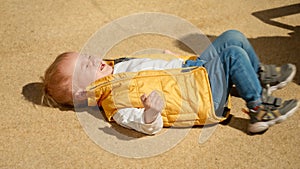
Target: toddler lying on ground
x: 154, y: 99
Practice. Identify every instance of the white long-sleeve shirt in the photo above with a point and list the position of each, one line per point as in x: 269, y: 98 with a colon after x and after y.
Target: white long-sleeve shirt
x: 133, y: 118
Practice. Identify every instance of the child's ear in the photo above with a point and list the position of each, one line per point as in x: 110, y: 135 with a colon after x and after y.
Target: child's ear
x: 80, y: 95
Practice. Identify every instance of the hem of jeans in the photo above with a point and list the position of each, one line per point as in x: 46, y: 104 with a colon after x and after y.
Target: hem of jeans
x: 253, y: 104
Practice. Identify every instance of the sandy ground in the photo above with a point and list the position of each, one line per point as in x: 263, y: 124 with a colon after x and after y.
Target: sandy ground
x: 34, y: 32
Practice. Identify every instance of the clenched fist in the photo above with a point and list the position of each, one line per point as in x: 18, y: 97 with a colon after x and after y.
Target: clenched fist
x: 153, y: 105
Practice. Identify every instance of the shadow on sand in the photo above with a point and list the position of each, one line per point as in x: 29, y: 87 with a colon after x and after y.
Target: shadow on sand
x: 33, y: 92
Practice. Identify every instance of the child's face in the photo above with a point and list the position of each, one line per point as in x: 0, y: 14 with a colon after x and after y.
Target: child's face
x: 86, y: 70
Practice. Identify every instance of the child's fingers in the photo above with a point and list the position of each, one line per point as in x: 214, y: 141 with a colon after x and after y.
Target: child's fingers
x: 152, y: 94
x: 159, y: 103
x: 156, y: 100
x: 153, y: 101
x: 143, y: 98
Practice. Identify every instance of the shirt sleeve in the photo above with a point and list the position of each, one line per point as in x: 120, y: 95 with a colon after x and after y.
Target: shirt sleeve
x: 133, y: 118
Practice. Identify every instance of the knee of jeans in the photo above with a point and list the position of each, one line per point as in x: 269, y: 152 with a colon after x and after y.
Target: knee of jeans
x: 235, y: 52
x: 234, y: 38
x: 233, y: 33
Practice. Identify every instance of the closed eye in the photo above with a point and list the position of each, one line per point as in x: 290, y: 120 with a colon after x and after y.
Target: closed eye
x: 88, y: 62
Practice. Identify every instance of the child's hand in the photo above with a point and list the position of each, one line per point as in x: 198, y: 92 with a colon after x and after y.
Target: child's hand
x: 153, y: 104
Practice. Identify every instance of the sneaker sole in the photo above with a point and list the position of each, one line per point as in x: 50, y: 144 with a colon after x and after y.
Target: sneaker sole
x: 284, y: 83
x: 263, y: 126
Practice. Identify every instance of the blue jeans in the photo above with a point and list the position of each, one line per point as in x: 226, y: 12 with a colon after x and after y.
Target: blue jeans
x: 229, y: 60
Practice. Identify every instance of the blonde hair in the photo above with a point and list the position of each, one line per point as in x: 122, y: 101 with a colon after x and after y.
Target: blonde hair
x: 57, y: 87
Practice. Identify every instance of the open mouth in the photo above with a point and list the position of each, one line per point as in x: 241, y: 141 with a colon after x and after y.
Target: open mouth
x: 102, y: 66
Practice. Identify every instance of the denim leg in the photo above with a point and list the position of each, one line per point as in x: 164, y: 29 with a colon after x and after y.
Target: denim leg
x: 218, y: 83
x: 231, y: 38
x: 239, y: 71
x: 231, y: 60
